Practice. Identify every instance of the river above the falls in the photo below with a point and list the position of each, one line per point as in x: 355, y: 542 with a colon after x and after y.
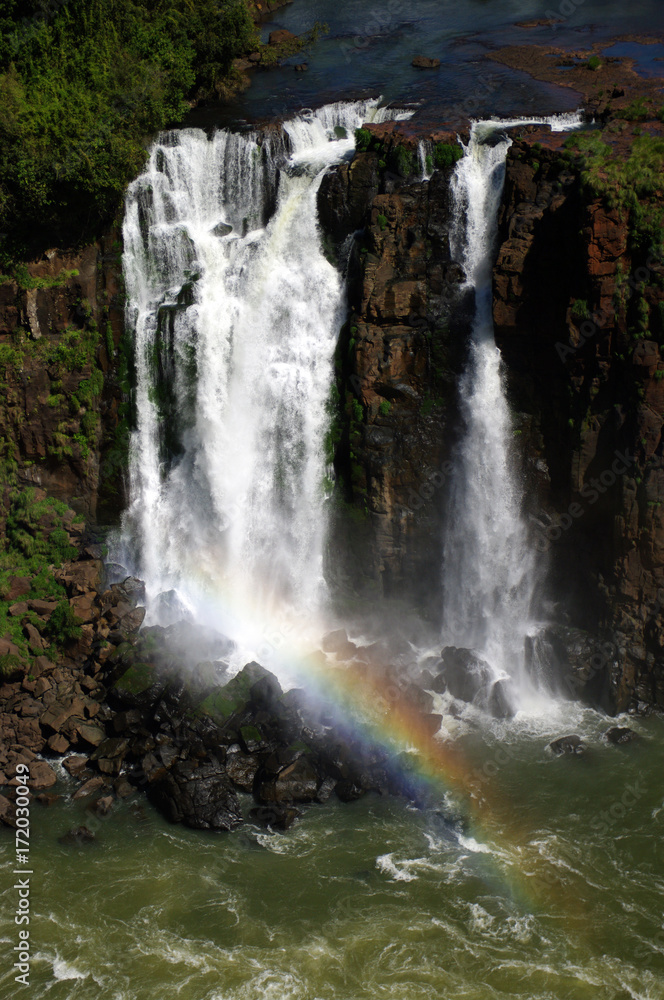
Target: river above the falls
x: 368, y: 50
x: 547, y: 885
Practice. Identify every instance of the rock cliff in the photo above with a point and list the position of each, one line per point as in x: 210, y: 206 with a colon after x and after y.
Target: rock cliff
x: 579, y: 317
x: 62, y: 362
x: 398, y: 358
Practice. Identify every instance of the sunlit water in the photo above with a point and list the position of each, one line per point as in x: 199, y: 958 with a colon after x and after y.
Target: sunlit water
x: 549, y: 888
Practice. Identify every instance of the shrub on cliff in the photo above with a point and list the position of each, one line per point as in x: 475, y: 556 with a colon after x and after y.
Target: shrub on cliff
x: 63, y: 626
x: 82, y: 84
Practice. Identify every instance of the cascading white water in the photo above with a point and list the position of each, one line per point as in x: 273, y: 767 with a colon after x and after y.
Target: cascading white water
x: 491, y: 571
x: 235, y: 313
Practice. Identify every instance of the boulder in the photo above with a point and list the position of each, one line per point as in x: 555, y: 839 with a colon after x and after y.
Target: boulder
x: 568, y: 745
x: 499, y: 702
x: 57, y: 743
x: 337, y: 642
x: 89, y: 786
x: 74, y: 765
x: 274, y: 817
x: 298, y: 782
x: 425, y: 62
x: 131, y: 590
x: 620, y: 734
x: 19, y: 586
x: 7, y: 811
x: 102, y: 806
x: 8, y: 648
x: 200, y: 795
x: 241, y: 768
x: 41, y: 775
x: 464, y: 674
x: 91, y: 733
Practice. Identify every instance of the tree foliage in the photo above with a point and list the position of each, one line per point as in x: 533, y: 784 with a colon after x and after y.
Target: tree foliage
x: 82, y: 84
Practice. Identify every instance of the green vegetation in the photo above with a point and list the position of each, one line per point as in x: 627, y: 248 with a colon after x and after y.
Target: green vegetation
x: 382, y: 221
x: 33, y: 542
x: 446, y: 154
x: 594, y: 63
x: 580, y: 310
x: 10, y: 667
x: 384, y: 408
x: 632, y: 185
x: 404, y: 161
x: 82, y: 84
x: 137, y: 679
x: 636, y: 111
x: 362, y: 139
x: 63, y: 626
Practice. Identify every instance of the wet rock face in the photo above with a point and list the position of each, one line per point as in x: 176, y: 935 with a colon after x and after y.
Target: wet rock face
x: 571, y: 745
x: 198, y: 795
x: 61, y: 403
x: 573, y: 290
x: 398, y: 360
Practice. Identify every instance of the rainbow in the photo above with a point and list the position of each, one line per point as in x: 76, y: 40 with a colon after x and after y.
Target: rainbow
x: 380, y: 714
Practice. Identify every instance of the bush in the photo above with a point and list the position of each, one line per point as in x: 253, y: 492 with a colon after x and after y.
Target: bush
x: 11, y: 667
x: 594, y: 63
x: 446, y: 154
x: 81, y: 89
x: 63, y: 626
x: 362, y: 139
x: 580, y: 310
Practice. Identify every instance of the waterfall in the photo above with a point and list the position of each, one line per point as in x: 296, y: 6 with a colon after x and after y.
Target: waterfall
x: 491, y: 571
x: 235, y: 312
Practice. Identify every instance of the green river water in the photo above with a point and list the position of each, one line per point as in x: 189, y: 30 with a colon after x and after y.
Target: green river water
x: 557, y: 893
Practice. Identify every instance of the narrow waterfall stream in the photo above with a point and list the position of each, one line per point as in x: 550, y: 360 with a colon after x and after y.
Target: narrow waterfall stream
x: 490, y: 569
x: 236, y: 313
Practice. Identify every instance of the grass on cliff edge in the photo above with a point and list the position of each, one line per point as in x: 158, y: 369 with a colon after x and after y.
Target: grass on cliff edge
x: 82, y: 84
x: 634, y: 185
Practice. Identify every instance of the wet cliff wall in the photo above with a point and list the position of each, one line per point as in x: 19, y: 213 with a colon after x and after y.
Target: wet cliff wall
x: 399, y: 357
x: 63, y: 366
x: 579, y: 317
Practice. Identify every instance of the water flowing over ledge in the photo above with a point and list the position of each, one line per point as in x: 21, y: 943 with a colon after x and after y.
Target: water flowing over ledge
x: 236, y: 312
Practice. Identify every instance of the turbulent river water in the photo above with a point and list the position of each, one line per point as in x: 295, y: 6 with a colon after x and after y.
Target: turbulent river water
x: 550, y: 888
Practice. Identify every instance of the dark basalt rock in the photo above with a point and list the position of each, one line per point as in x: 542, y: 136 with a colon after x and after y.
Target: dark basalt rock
x: 464, y: 674
x: 274, y: 817
x: 568, y: 745
x: 425, y: 62
x: 499, y: 703
x: 297, y: 782
x: 620, y: 734
x: 198, y: 795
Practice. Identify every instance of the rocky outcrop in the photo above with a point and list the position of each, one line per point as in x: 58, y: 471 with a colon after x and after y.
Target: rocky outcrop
x: 126, y: 713
x: 398, y: 358
x: 61, y: 362
x: 579, y: 317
